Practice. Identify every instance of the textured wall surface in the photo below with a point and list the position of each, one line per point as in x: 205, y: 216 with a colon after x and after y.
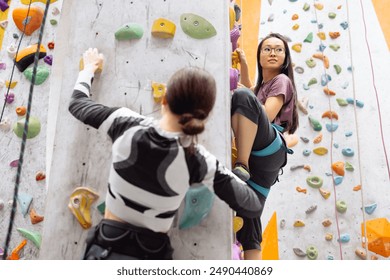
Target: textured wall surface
x: 367, y: 55
x: 35, y: 152
x: 81, y: 156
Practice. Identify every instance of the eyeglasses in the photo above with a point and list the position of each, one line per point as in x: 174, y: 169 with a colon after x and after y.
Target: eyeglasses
x: 268, y: 50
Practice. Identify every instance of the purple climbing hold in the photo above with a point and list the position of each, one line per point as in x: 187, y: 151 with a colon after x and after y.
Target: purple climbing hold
x: 48, y: 59
x: 234, y: 35
x: 14, y: 163
x: 4, y: 5
x: 10, y: 98
x: 233, y: 78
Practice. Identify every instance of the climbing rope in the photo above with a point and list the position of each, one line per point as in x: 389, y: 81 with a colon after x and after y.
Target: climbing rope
x: 331, y: 136
x: 24, y: 137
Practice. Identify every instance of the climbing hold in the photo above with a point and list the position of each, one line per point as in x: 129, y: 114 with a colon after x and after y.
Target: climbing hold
x: 334, y: 35
x: 16, y: 253
x: 312, y: 81
x: 198, y: 203
x: 48, y: 59
x: 337, y: 68
x: 41, y: 75
x: 291, y: 140
x: 4, y: 5
x: 311, y: 63
x: 325, y: 78
x: 271, y: 18
x: 324, y: 58
x: 295, y: 26
x: 235, y: 34
x: 100, y: 66
x: 309, y: 38
x: 302, y: 104
x: 295, y: 17
x: 338, y: 180
x: 341, y: 102
x: 232, y: 17
x: 234, y: 77
x: 306, y: 7
x: 315, y: 124
x: 326, y: 222
x: 237, y: 251
x: 21, y: 110
x: 196, y: 26
x: 237, y: 11
x: 40, y: 176
x: 331, y: 127
x: 334, y: 47
x: 129, y: 31
x: 314, y: 181
x: 307, y: 167
x: 80, y: 203
x: 311, y: 209
x: 328, y: 237
x: 299, y: 189
x: 24, y: 202
x: 359, y: 103
x: 163, y: 28
x: 312, y: 252
x: 350, y: 100
x: 324, y: 193
x: 341, y: 206
x: 318, y: 138
x: 53, y: 22
x: 320, y: 151
x: 4, y: 24
x: 235, y: 59
x: 33, y: 236
x: 338, y: 168
x: 282, y: 223
x: 330, y: 114
x: 318, y: 6
x: 238, y: 223
x: 306, y: 152
x: 25, y: 57
x: 5, y: 124
x: 369, y: 209
x: 348, y: 152
x: 299, y: 223
x: 28, y: 24
x: 332, y: 15
x: 299, y: 252
x: 9, y: 98
x: 55, y: 11
x: 349, y: 166
x: 294, y: 167
x: 34, y: 217
x: 305, y: 139
x: 336, y: 145
x: 50, y: 45
x: 344, y: 25
x: 376, y: 232
x: 297, y: 47
x: 344, y: 238
x: 321, y: 47
x: 361, y: 253
x: 11, y: 85
x: 321, y: 35
x: 299, y: 70
x: 348, y: 133
x: 101, y: 207
x: 357, y: 188
x: 159, y: 90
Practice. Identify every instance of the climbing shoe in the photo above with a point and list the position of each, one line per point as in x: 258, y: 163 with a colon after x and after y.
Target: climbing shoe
x: 241, y: 171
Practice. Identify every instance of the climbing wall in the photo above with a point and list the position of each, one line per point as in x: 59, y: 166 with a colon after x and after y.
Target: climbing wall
x: 81, y: 156
x: 32, y: 188
x: 344, y: 100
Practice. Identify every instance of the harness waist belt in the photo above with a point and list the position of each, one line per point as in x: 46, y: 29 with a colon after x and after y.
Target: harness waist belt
x: 264, y: 191
x: 271, y: 148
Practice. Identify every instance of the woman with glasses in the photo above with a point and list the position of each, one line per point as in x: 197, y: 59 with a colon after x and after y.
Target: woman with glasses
x: 258, y: 120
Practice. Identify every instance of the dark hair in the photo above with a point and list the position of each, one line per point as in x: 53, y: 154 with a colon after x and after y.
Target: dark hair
x: 191, y: 94
x: 286, y: 69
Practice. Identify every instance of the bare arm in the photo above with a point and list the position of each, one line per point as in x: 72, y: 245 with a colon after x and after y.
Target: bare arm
x: 273, y: 105
x: 244, y: 70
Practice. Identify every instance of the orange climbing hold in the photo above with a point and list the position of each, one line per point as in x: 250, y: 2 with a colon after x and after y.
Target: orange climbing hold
x: 330, y: 115
x: 334, y: 35
x: 34, y: 217
x: 15, y: 254
x: 377, y: 235
x: 338, y: 167
x: 34, y: 19
x: 357, y: 188
x: 21, y: 110
x: 299, y: 189
x: 295, y: 17
x: 323, y: 57
x: 329, y: 91
x: 318, y: 138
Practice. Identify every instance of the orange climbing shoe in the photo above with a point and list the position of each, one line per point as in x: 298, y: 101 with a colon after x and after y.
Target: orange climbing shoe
x: 241, y: 171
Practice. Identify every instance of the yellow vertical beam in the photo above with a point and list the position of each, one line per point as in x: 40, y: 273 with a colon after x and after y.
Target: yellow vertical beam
x: 270, y: 245
x: 250, y: 20
x: 3, y: 16
x: 382, y: 9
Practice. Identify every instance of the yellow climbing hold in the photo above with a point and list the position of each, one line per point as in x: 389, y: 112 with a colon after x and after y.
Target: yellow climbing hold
x: 238, y: 222
x: 320, y: 151
x: 318, y: 6
x: 27, y: 2
x: 328, y: 237
x: 163, y: 28
x: 80, y: 203
x: 159, y: 91
x: 295, y: 26
x: 321, y: 35
x: 325, y: 194
x: 299, y: 223
x: 297, y: 47
x: 9, y: 84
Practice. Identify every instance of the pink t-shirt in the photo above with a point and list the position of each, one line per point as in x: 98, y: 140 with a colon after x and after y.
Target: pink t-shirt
x: 279, y: 85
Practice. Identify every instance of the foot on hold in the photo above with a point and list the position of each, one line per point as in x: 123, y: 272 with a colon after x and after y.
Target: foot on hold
x: 241, y: 171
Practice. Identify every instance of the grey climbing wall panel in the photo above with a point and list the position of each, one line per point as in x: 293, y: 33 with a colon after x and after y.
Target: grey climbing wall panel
x: 81, y: 156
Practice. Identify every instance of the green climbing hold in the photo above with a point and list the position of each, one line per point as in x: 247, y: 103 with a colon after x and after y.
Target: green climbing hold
x: 311, y: 63
x: 41, y: 76
x: 309, y: 38
x: 314, y: 181
x: 306, y: 7
x: 129, y: 31
x: 53, y: 22
x: 312, y: 81
x: 198, y: 203
x: 312, y: 253
x: 341, y: 206
x: 196, y: 26
x: 33, y: 236
x: 334, y: 47
x: 349, y: 166
x: 332, y: 15
x: 34, y: 127
x: 337, y: 68
x: 315, y: 124
x: 341, y: 102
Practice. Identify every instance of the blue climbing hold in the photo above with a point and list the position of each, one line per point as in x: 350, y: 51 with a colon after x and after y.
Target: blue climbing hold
x: 198, y: 203
x: 344, y: 25
x: 348, y: 152
x: 331, y: 127
x: 350, y: 100
x: 24, y: 202
x: 370, y: 208
x: 338, y: 180
x: 344, y: 238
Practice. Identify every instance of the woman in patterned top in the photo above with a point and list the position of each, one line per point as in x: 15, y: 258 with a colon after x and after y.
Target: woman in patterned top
x: 154, y: 162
